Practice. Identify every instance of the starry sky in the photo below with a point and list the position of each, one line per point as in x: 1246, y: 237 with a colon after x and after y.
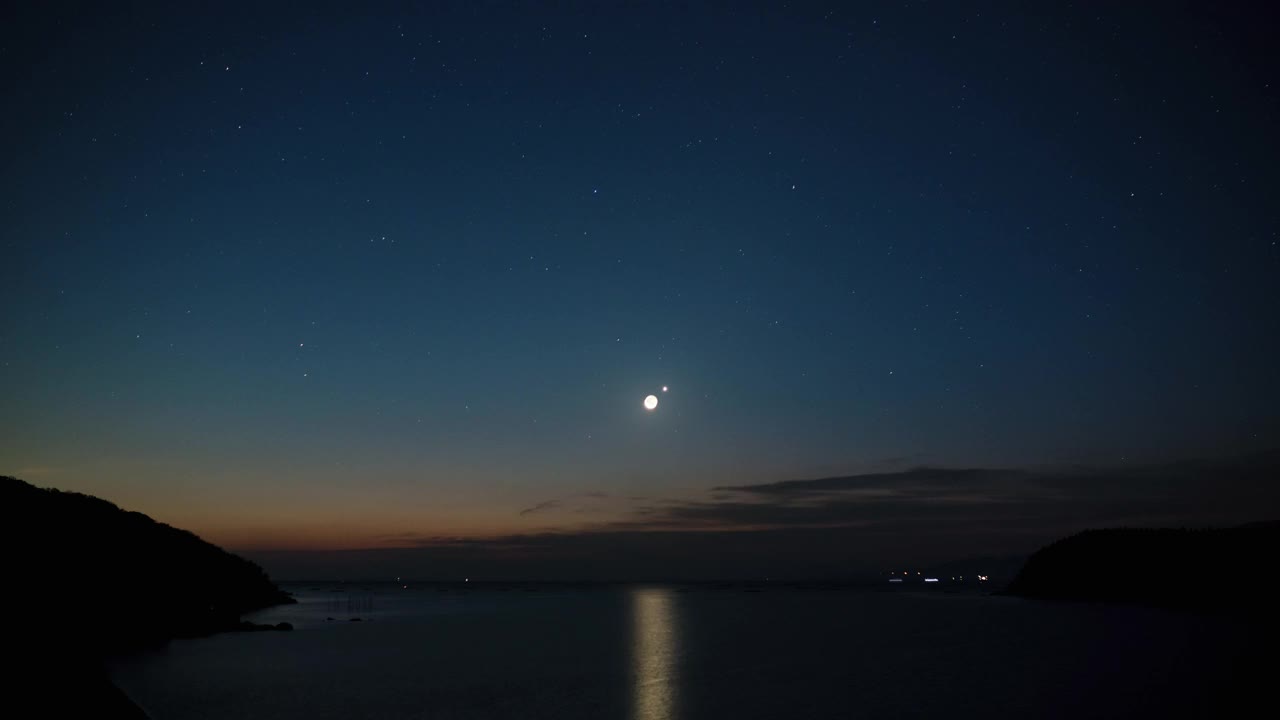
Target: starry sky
x: 399, y: 277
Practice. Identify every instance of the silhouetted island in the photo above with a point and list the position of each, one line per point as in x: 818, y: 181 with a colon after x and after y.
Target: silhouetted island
x: 85, y: 579
x: 1203, y: 569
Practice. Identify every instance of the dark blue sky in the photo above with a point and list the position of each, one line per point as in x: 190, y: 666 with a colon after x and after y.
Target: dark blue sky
x: 318, y: 277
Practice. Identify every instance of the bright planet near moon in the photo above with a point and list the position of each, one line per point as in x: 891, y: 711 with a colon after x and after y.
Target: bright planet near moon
x: 651, y: 402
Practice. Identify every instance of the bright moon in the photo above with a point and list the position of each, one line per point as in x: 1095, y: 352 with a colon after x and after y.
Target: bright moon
x: 651, y: 402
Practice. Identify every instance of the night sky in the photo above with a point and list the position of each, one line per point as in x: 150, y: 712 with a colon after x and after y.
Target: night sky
x: 340, y: 278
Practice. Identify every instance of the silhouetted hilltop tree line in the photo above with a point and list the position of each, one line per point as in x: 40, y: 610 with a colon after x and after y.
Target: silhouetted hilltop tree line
x: 1201, y: 569
x: 84, y: 574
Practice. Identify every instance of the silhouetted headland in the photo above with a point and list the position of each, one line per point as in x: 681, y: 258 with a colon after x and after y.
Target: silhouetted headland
x: 1205, y: 569
x: 85, y: 579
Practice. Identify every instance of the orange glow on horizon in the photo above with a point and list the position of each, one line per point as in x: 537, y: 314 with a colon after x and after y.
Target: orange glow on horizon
x: 328, y: 537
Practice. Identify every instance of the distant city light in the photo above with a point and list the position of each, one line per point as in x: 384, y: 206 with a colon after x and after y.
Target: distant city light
x: 983, y: 578
x: 931, y: 579
x: 895, y: 579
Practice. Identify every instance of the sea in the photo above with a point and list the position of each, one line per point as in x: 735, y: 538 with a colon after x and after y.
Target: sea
x: 695, y: 652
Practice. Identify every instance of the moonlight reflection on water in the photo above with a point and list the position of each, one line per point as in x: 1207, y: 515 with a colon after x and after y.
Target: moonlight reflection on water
x: 654, y: 650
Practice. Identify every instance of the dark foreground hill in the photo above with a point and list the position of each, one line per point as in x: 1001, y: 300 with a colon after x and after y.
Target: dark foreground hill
x: 1207, y: 569
x: 84, y: 579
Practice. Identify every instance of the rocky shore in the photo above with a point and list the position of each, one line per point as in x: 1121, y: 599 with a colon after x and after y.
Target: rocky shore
x: 86, y: 580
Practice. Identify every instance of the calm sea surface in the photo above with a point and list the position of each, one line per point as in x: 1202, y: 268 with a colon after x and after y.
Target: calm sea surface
x: 659, y: 653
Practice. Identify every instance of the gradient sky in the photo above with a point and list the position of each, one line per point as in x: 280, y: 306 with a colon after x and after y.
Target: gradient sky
x: 334, y: 277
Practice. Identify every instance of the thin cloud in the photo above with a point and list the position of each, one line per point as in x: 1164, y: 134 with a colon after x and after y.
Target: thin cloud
x: 835, y: 525
x: 540, y: 507
x: 577, y: 503
x: 1188, y: 493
